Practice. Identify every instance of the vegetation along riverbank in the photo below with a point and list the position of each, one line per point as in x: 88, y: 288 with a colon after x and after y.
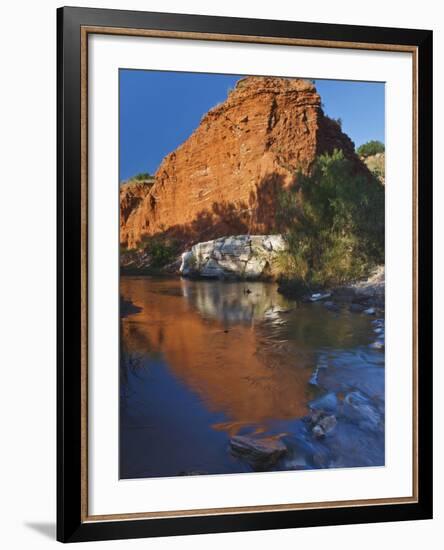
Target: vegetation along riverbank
x: 252, y: 291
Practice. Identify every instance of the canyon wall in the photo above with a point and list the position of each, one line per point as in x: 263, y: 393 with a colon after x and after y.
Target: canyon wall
x: 224, y: 178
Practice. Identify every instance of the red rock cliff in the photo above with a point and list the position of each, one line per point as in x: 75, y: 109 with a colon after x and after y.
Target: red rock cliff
x: 223, y: 179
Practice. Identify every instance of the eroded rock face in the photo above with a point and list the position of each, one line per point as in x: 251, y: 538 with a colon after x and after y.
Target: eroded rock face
x: 241, y: 256
x: 225, y: 177
x: 131, y: 195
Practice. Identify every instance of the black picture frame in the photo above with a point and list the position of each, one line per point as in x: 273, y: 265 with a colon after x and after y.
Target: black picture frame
x: 71, y: 525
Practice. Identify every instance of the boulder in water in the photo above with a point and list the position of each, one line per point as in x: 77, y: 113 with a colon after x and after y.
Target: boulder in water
x: 359, y: 408
x: 260, y: 453
x: 241, y: 257
x: 328, y: 403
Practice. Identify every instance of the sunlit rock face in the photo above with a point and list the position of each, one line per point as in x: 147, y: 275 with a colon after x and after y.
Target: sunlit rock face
x: 241, y: 256
x: 131, y: 195
x: 224, y: 179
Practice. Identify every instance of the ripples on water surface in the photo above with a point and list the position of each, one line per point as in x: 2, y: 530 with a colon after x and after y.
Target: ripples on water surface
x: 202, y: 361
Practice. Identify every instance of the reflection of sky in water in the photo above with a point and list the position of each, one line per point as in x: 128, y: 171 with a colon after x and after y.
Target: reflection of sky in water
x: 218, y: 359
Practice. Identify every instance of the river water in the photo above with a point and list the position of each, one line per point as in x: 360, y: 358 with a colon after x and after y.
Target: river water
x: 203, y: 361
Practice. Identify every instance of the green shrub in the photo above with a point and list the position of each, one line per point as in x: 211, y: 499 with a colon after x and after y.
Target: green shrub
x: 142, y: 176
x: 370, y: 148
x: 333, y: 221
x: 162, y: 251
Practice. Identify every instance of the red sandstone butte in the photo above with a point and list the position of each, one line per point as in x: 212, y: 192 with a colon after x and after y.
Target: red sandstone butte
x: 223, y: 179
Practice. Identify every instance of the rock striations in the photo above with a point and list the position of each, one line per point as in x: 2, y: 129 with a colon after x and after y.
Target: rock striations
x: 240, y: 256
x: 132, y: 194
x: 224, y: 178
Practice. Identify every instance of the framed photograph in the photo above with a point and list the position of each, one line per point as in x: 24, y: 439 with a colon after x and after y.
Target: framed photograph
x: 244, y: 274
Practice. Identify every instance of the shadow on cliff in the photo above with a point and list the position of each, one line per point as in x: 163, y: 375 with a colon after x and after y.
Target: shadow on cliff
x: 255, y: 216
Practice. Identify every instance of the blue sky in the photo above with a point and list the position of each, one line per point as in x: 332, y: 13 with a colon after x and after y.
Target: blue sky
x: 159, y: 110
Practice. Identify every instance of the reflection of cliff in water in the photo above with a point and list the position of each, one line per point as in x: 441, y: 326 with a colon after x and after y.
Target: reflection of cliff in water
x: 211, y: 342
x: 240, y: 347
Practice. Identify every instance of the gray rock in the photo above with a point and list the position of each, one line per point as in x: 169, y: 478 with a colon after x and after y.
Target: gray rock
x: 314, y: 378
x: 241, y: 256
x: 321, y: 364
x: 258, y: 452
x: 314, y: 417
x: 358, y: 408
x: 186, y: 265
x: 328, y: 423
x: 379, y: 344
x: 370, y: 311
x: 254, y: 267
x: 211, y: 269
x: 328, y: 402
x: 318, y: 296
x: 325, y: 425
x: 318, y: 432
x: 370, y: 290
x: 274, y: 243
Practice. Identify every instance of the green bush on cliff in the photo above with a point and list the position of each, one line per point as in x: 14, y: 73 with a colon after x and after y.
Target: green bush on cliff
x: 142, y: 176
x: 333, y: 222
x: 161, y: 251
x: 370, y: 148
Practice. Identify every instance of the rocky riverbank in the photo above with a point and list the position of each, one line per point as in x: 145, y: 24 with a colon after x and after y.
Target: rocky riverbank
x: 344, y: 426
x: 295, y: 385
x: 346, y: 419
x: 358, y: 296
x: 368, y: 293
x: 256, y: 257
